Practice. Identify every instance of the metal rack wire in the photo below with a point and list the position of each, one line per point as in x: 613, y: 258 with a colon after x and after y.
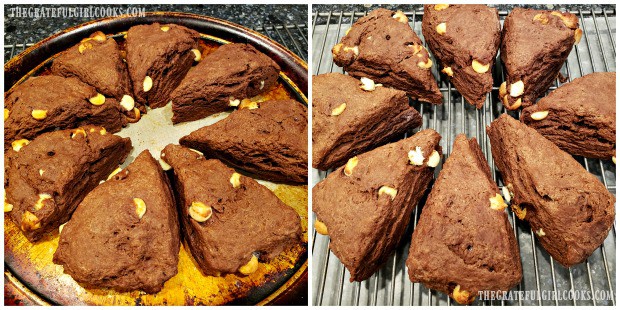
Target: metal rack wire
x: 293, y: 36
x: 541, y: 275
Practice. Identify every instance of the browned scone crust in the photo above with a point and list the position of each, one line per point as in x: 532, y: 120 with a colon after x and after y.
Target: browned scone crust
x: 164, y: 56
x: 270, y: 142
x: 245, y: 220
x: 46, y: 179
x: 365, y: 227
x: 460, y: 239
x: 568, y: 208
x: 369, y: 119
x: 472, y: 33
x: 535, y: 45
x: 66, y: 101
x: 106, y: 243
x: 581, y: 117
x: 390, y: 53
x: 233, y: 72
x: 97, y: 62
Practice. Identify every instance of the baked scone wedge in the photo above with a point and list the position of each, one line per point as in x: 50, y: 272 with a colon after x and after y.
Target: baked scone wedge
x: 568, y: 208
x: 348, y: 120
x: 49, y: 176
x: 45, y: 103
x: 580, y: 116
x: 382, y: 47
x: 464, y: 39
x: 535, y: 45
x: 463, y: 242
x: 97, y: 62
x: 125, y: 234
x: 229, y: 221
x: 158, y: 57
x: 268, y: 140
x: 221, y: 80
x: 365, y: 206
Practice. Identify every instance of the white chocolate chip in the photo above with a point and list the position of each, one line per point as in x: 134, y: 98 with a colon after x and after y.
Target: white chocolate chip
x: 462, y: 296
x: 127, y: 102
x: 250, y: 267
x: 84, y: 46
x: 439, y: 7
x: 200, y: 212
x: 115, y: 172
x: 506, y: 193
x: 78, y: 131
x: 6, y: 113
x: 99, y: 99
x: 235, y: 180
x: 416, y: 157
x: 441, y: 28
x: 367, y: 84
x: 351, y: 163
x: 41, y: 171
x: 540, y: 232
x: 425, y: 65
x: 197, y: 152
x: 613, y: 158
x: 516, y: 88
x: 7, y: 206
x: 448, y: 71
x: 165, y: 28
x: 164, y: 165
x: 390, y: 191
x: 39, y: 204
x: 540, y: 115
x: 320, y: 227
x: 140, y: 207
x: 578, y: 34
x: 434, y: 159
x: 542, y: 18
x: 262, y: 85
x: 147, y: 84
x: 233, y: 102
x: 354, y: 49
x: 339, y: 109
x: 497, y: 203
x: 30, y: 221
x: 478, y: 67
x: 39, y: 114
x: 18, y: 144
x: 518, y: 211
x: 248, y: 104
x: 347, y: 31
x: 197, y: 54
x: 401, y: 17
x: 102, y: 131
x: 502, y: 89
x: 60, y: 228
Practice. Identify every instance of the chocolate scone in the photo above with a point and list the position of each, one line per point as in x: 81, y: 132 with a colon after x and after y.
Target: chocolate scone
x: 158, y: 57
x: 579, y: 117
x: 365, y: 206
x: 268, y: 140
x: 47, y: 178
x: 221, y: 80
x: 97, y: 62
x: 568, y: 208
x: 229, y: 221
x: 535, y: 45
x: 463, y: 242
x: 125, y: 233
x: 347, y: 120
x: 464, y: 39
x: 383, y: 47
x: 46, y: 103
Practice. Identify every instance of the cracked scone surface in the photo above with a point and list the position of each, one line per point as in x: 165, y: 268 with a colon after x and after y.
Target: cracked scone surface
x: 368, y: 118
x: 269, y: 142
x: 460, y: 239
x: 472, y: 32
x: 108, y: 244
x: 163, y: 56
x: 535, y: 45
x: 579, y: 117
x: 364, y: 226
x: 568, y: 208
x: 233, y: 72
x: 66, y: 105
x: 246, y: 217
x: 388, y: 51
x: 46, y: 179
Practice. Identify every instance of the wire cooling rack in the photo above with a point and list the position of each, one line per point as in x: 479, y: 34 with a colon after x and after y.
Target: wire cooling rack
x: 542, y: 277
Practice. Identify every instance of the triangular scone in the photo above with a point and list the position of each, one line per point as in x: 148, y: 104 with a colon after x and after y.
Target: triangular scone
x: 365, y: 206
x: 46, y: 103
x: 125, y: 233
x: 267, y: 139
x: 568, y: 208
x: 228, y: 220
x: 48, y: 177
x: 464, y: 39
x: 383, y: 47
x: 347, y: 120
x: 97, y: 62
x: 221, y: 80
x: 579, y: 117
x: 535, y: 45
x: 463, y: 242
x: 158, y: 57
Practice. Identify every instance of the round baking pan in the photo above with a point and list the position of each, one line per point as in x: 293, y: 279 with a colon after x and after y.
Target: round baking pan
x: 29, y: 271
